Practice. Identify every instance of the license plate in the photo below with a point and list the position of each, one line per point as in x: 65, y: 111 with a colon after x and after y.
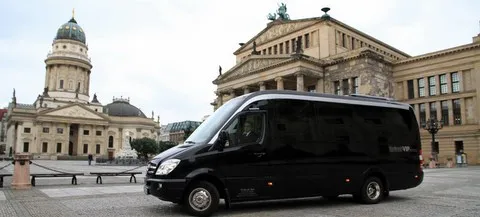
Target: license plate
x: 146, y: 190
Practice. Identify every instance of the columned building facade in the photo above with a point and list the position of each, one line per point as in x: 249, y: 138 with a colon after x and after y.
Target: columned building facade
x: 324, y: 55
x: 64, y: 120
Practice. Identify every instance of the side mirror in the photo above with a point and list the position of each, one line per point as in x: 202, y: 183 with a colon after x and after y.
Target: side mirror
x: 221, y: 140
x: 223, y: 136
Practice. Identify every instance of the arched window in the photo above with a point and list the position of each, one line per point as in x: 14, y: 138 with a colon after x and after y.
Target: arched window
x: 110, y: 142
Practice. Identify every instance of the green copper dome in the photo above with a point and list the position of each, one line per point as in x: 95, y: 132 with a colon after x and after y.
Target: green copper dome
x: 72, y: 31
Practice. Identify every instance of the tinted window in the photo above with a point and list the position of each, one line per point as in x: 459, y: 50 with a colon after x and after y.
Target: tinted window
x: 293, y: 129
x: 335, y: 129
x: 247, y: 128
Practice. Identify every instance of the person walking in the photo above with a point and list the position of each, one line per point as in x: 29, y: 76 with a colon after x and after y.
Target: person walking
x: 90, y: 158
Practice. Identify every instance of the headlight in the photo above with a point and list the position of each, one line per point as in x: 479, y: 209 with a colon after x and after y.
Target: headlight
x: 167, y: 167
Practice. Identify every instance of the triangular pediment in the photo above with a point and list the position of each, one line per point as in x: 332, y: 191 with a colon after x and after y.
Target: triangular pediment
x: 252, y: 64
x: 74, y: 111
x: 276, y: 30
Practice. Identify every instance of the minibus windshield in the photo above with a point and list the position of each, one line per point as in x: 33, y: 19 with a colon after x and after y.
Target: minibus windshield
x: 214, y: 122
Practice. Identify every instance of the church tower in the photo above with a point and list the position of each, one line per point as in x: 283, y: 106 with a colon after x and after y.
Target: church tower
x: 68, y: 67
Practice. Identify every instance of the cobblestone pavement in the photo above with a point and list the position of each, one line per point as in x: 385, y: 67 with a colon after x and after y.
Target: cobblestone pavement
x: 445, y: 192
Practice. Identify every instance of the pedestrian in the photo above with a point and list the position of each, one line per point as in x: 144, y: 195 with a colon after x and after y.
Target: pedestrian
x: 90, y: 158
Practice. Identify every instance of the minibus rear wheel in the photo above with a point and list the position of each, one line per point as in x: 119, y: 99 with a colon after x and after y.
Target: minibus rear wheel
x: 372, y: 191
x: 202, y: 199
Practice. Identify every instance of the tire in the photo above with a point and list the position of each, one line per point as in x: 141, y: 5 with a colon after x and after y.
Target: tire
x: 372, y: 191
x: 201, y: 199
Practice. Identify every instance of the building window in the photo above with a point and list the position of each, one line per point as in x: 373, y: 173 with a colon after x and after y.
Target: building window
x: 444, y: 105
x: 345, y: 86
x: 61, y: 84
x: 110, y: 142
x: 457, y: 115
x: 455, y: 83
x: 423, y: 115
x: 336, y: 87
x: 26, y: 130
x: 353, y: 43
x: 86, y: 132
x: 431, y: 86
x: 25, y: 147
x: 44, y: 147
x: 275, y: 50
x: 410, y: 89
x: 264, y: 51
x: 270, y: 51
x: 433, y: 110
x: 443, y: 84
x: 281, y: 48
x: 46, y: 130
x: 59, y: 147
x: 293, y: 45
x: 344, y: 40
x: 355, y: 85
x: 97, y: 149
x: 307, y: 40
x: 85, y: 148
x: 421, y: 87
x: 287, y: 47
x: 99, y: 133
x: 60, y: 130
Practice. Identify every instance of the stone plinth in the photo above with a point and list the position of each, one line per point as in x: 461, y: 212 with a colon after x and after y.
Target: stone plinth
x: 21, y: 171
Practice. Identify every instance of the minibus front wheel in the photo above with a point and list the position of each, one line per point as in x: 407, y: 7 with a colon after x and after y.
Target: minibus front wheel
x: 202, y: 199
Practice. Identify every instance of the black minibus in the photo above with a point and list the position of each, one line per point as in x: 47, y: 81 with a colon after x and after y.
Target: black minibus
x: 279, y: 144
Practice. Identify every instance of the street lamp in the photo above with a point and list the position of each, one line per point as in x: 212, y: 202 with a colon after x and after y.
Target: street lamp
x: 433, y: 126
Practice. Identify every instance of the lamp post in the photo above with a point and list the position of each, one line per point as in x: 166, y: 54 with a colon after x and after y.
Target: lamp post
x: 433, y: 126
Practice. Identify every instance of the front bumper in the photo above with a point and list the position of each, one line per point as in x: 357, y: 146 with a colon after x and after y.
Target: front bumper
x: 165, y: 189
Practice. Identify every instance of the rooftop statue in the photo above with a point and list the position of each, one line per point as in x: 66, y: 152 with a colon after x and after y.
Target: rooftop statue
x: 281, y: 12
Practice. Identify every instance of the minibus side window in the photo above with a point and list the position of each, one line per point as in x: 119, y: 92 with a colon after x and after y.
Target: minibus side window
x: 247, y: 128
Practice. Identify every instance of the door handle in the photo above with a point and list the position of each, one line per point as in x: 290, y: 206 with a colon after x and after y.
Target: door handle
x: 259, y: 154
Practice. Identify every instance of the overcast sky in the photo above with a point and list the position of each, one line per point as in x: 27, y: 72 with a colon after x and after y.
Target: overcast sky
x: 164, y: 55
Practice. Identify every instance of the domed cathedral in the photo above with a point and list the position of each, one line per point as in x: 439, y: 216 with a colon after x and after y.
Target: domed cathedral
x: 65, y: 120
x: 322, y: 54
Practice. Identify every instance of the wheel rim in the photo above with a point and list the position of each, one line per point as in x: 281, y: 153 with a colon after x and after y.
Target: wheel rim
x: 373, y: 190
x: 200, y: 199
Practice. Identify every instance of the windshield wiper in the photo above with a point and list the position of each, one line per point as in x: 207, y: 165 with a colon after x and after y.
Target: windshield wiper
x: 189, y: 142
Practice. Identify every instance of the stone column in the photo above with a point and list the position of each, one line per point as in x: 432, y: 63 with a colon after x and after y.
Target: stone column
x: 231, y: 92
x: 463, y: 111
x: 79, y: 140
x: 450, y: 112
x: 300, y: 84
x: 415, y: 88
x: 262, y: 85
x: 120, y: 139
x: 449, y: 82
x: 279, y: 81
x: 439, y: 110
x: 437, y: 85
x: 320, y: 86
x: 219, y: 98
x: 17, y: 147
x: 246, y: 89
x: 67, y: 144
x: 462, y: 84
